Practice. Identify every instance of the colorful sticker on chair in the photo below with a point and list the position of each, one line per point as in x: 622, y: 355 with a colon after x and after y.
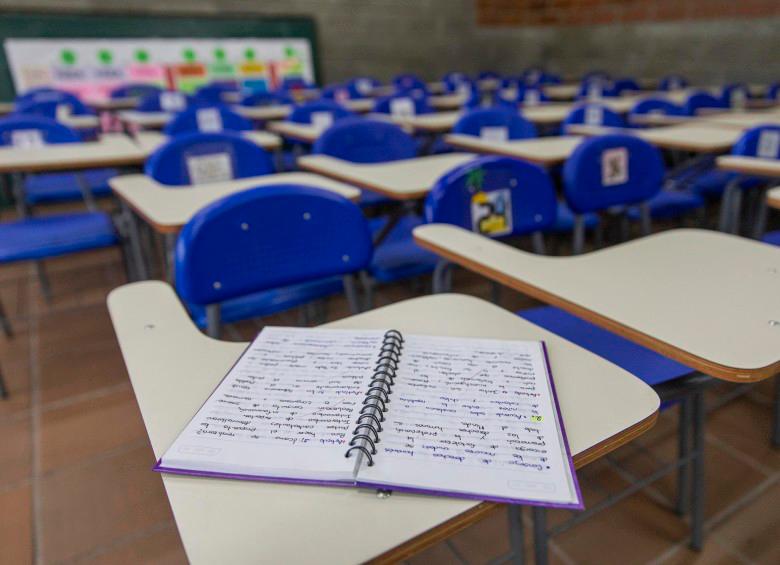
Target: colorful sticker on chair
x: 768, y: 144
x: 209, y: 120
x: 321, y: 120
x: 614, y: 166
x: 214, y: 167
x: 172, y: 102
x: 594, y: 115
x: 491, y: 212
x: 494, y: 133
x: 402, y: 108
x: 26, y: 138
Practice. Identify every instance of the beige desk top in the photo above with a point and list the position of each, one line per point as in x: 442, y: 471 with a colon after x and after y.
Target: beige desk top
x: 703, y: 298
x: 697, y: 137
x: 447, y: 101
x: 546, y: 151
x: 657, y: 119
x: 749, y: 165
x: 743, y: 120
x: 435, y: 122
x: 773, y: 197
x: 272, y: 112
x: 407, y: 179
x: 150, y: 120
x: 151, y: 140
x: 546, y: 114
x: 167, y: 208
x: 111, y: 150
x: 173, y: 368
x: 359, y: 105
x: 306, y: 133
x: 85, y: 121
x: 562, y: 91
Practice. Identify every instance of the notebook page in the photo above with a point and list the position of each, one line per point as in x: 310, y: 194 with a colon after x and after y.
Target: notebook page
x: 285, y: 410
x: 476, y: 418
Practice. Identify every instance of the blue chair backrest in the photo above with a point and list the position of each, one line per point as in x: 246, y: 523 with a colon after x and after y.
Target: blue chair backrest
x: 773, y: 92
x: 266, y: 99
x: 366, y: 141
x: 735, y: 95
x: 494, y: 196
x: 48, y: 104
x: 43, y: 92
x: 761, y: 141
x: 530, y: 95
x: 207, y: 119
x: 305, y: 113
x: 293, y: 83
x: 611, y: 170
x: 212, y: 93
x: 135, y: 90
x: 700, y: 100
x: 488, y: 75
x: 164, y: 101
x: 494, y: 99
x: 594, y: 115
x: 622, y: 85
x: 360, y: 87
x: 550, y: 78
x: 657, y: 106
x: 672, y: 82
x: 595, y: 75
x: 596, y: 88
x: 454, y: 78
x: 495, y: 123
x: 402, y: 104
x: 197, y: 158
x: 31, y: 131
x: 338, y: 92
x: 266, y: 238
x: 408, y: 81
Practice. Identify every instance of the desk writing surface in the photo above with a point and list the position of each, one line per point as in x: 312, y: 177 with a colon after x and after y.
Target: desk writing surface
x: 743, y: 120
x: 545, y: 114
x: 562, y: 91
x: 434, y: 122
x: 749, y: 165
x: 151, y: 120
x: 447, y: 101
x: 167, y: 208
x: 407, y: 179
x: 307, y: 133
x: 173, y: 368
x: 272, y: 112
x: 81, y: 121
x: 773, y: 197
x: 359, y: 105
x: 695, y: 137
x: 151, y: 140
x: 110, y: 150
x: 545, y: 151
x: 704, y: 298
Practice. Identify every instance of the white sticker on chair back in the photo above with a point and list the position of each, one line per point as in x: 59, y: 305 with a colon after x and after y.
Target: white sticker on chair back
x: 172, y: 101
x: 768, y: 144
x: 614, y: 166
x: 738, y: 98
x: 494, y: 133
x: 594, y: 115
x: 364, y: 86
x: 209, y: 120
x: 63, y: 112
x: 27, y: 138
x: 532, y: 97
x: 402, y: 107
x: 321, y: 120
x: 463, y: 89
x: 213, y: 167
x: 594, y: 91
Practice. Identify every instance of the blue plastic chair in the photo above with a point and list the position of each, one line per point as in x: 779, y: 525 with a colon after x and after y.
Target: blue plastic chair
x: 419, y: 104
x: 701, y: 100
x: 41, y: 93
x: 294, y: 83
x: 611, y: 171
x: 50, y: 108
x: 169, y: 164
x: 735, y: 95
x: 623, y: 85
x: 530, y: 95
x: 266, y: 99
x: 213, y: 93
x: 360, y: 87
x: 207, y: 119
x: 656, y: 106
x: 164, y: 101
x: 488, y: 75
x: 594, y: 115
x: 595, y: 88
x: 135, y: 90
x: 338, y: 92
x: 303, y: 114
x: 408, y: 81
x: 42, y: 188
x: 453, y: 78
x: 284, y: 244
x: 672, y: 82
x: 512, y: 124
x: 773, y: 92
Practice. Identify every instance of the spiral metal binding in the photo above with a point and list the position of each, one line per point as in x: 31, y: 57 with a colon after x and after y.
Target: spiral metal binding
x: 372, y: 413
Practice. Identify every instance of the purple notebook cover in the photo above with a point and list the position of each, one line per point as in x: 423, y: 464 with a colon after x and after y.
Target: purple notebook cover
x: 579, y: 505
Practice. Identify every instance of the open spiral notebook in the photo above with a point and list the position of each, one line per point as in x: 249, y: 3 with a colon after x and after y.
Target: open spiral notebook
x: 469, y: 418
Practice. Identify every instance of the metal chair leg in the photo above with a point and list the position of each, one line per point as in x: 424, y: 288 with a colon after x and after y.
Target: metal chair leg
x: 578, y: 235
x: 683, y: 450
x: 540, y: 534
x: 726, y: 204
x: 5, y: 322
x: 495, y: 292
x: 697, y: 472
x: 645, y: 220
x: 3, y: 387
x: 213, y: 320
x: 368, y: 291
x: 537, y: 243
x: 516, y: 534
x: 440, y: 276
x: 350, y: 290
x: 43, y: 279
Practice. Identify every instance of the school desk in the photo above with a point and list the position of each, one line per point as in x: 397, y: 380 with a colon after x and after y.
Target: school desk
x: 773, y: 196
x: 406, y: 179
x: 545, y: 151
x: 263, y: 113
x: 742, y: 119
x: 151, y: 140
x: 561, y: 91
x: 173, y: 368
x: 166, y: 209
x: 695, y: 137
x: 752, y: 167
x: 133, y: 119
x: 447, y: 101
x: 305, y: 133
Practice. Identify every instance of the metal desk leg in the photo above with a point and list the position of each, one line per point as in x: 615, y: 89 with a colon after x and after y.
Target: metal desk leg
x: 516, y: 534
x: 170, y: 248
x: 683, y: 450
x: 697, y: 471
x: 135, y: 241
x: 760, y: 220
x: 86, y: 191
x: 540, y: 534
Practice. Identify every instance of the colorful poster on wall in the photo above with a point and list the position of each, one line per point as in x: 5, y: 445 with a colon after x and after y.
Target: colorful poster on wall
x: 91, y: 68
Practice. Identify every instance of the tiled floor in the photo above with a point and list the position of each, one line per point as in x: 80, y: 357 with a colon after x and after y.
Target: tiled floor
x: 76, y: 484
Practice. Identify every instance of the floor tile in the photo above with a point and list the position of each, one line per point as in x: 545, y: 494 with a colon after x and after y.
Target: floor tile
x: 89, y: 506
x: 16, y: 526
x: 712, y: 554
x: 753, y: 531
x: 15, y: 450
x: 83, y: 429
x: 159, y: 548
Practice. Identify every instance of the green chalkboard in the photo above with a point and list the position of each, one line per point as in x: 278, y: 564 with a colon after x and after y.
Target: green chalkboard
x: 52, y: 26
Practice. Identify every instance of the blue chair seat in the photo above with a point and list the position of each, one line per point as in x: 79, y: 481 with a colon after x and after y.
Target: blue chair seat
x: 61, y: 187
x: 371, y: 198
x: 712, y: 183
x: 268, y: 302
x: 50, y: 236
x: 669, y: 204
x: 398, y: 256
x: 773, y: 238
x: 564, y: 220
x: 645, y: 364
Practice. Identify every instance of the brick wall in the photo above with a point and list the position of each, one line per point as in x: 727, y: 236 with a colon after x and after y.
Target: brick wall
x: 585, y: 12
